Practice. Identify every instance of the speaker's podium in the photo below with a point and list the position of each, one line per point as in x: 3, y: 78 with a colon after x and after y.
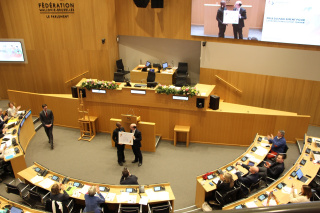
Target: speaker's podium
x: 147, y: 129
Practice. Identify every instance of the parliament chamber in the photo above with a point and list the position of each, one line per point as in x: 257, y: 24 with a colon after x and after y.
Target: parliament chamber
x: 263, y: 87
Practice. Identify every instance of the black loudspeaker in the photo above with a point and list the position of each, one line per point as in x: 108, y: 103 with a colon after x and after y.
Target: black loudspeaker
x: 141, y: 3
x: 200, y: 102
x: 156, y: 3
x: 74, y: 92
x: 214, y: 102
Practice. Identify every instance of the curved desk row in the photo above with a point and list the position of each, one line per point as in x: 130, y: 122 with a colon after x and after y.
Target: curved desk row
x: 114, y: 196
x: 22, y: 131
x: 8, y: 204
x: 309, y: 170
x: 203, y: 188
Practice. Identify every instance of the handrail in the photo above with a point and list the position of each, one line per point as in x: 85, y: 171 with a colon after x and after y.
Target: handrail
x: 238, y: 90
x: 76, y: 77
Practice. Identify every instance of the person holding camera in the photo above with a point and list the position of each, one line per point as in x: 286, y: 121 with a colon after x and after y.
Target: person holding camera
x: 136, y: 144
x: 127, y: 178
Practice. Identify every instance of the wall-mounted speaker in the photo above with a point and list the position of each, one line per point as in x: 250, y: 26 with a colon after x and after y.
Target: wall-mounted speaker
x: 141, y: 3
x: 214, y: 102
x: 74, y: 92
x: 156, y: 3
x: 200, y: 102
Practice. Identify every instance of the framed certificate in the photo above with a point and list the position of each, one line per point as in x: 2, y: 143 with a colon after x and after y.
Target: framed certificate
x: 125, y: 138
x: 230, y: 17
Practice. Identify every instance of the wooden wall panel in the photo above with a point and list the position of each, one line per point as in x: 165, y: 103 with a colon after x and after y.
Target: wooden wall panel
x: 58, y: 49
x: 212, y: 127
x: 287, y: 94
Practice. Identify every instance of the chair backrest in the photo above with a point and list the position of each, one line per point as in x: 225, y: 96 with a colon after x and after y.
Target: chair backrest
x: 181, y: 81
x: 50, y: 203
x: 120, y: 65
x: 35, y: 196
x: 118, y: 77
x: 151, y: 77
x: 160, y: 207
x: 128, y: 208
x: 12, y: 189
x: 182, y: 68
x: 286, y: 149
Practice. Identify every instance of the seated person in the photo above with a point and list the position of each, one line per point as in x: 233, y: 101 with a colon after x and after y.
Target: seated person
x: 249, y: 179
x: 278, y: 144
x: 3, y: 132
x: 3, y: 118
x: 12, y: 110
x: 56, y: 194
x: 273, y: 170
x: 93, y: 202
x: 127, y: 178
x: 225, y: 184
x: 2, y: 151
x: 304, y: 195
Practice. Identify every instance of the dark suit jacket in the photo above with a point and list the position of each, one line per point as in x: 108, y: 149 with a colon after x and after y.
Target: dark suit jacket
x: 46, y: 120
x: 131, y: 180
x: 137, y: 141
x: 115, y: 135
x: 60, y: 197
x: 223, y: 187
x: 275, y: 170
x: 243, y: 14
x: 220, y: 16
x: 247, y: 180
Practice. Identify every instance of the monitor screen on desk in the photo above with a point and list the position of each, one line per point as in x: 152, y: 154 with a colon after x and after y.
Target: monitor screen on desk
x: 299, y: 174
x: 148, y: 63
x: 164, y: 65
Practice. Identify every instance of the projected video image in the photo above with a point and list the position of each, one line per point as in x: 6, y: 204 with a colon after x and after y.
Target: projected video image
x: 11, y: 51
x: 285, y: 21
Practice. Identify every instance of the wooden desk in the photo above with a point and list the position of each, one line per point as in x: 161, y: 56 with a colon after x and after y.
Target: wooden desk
x: 178, y: 128
x: 309, y: 169
x: 92, y: 120
x: 29, y: 173
x: 5, y: 201
x: 24, y: 133
x: 204, y: 189
x: 164, y: 77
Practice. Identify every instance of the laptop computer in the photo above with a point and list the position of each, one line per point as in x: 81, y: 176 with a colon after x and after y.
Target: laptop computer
x: 164, y: 66
x: 300, y: 176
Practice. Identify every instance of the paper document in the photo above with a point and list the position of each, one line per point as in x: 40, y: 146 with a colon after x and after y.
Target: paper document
x: 132, y: 199
x: 46, y: 183
x: 85, y: 189
x: 123, y: 197
x: 288, y: 190
x: 251, y: 204
x: 144, y: 200
x: 316, y: 157
x: 36, y: 179
x: 125, y: 138
x: 110, y: 196
x: 9, y: 151
x: 215, y: 180
x: 272, y: 202
x: 230, y: 17
x: 315, y: 140
x: 261, y: 151
x: 159, y: 196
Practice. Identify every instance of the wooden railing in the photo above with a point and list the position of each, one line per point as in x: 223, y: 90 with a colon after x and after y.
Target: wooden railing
x: 230, y: 85
x: 76, y: 77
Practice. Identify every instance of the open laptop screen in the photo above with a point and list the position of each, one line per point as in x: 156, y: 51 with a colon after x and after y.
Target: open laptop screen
x: 299, y: 174
x: 164, y: 65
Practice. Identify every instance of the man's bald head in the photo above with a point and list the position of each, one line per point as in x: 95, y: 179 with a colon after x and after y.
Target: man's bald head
x: 118, y: 124
x: 254, y: 170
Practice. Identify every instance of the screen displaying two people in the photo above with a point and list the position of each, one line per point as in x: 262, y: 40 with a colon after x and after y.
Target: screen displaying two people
x: 284, y: 21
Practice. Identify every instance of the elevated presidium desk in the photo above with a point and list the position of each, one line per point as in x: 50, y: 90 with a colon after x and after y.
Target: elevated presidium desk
x: 163, y: 77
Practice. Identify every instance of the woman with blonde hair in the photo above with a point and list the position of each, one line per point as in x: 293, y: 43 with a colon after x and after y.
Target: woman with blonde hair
x: 12, y: 110
x: 225, y: 184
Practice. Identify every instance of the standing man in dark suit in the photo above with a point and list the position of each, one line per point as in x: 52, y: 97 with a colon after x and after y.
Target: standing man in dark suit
x: 221, y: 25
x: 237, y: 28
x: 120, y: 147
x: 136, y: 144
x: 46, y: 118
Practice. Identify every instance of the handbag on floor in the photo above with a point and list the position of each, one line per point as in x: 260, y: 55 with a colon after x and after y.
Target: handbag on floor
x: 206, y: 207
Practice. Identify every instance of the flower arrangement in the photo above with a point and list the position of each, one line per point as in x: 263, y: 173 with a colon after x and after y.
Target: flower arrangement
x: 96, y: 84
x: 185, y: 90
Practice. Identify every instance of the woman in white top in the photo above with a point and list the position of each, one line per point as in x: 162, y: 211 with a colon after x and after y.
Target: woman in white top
x: 12, y: 110
x: 304, y: 195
